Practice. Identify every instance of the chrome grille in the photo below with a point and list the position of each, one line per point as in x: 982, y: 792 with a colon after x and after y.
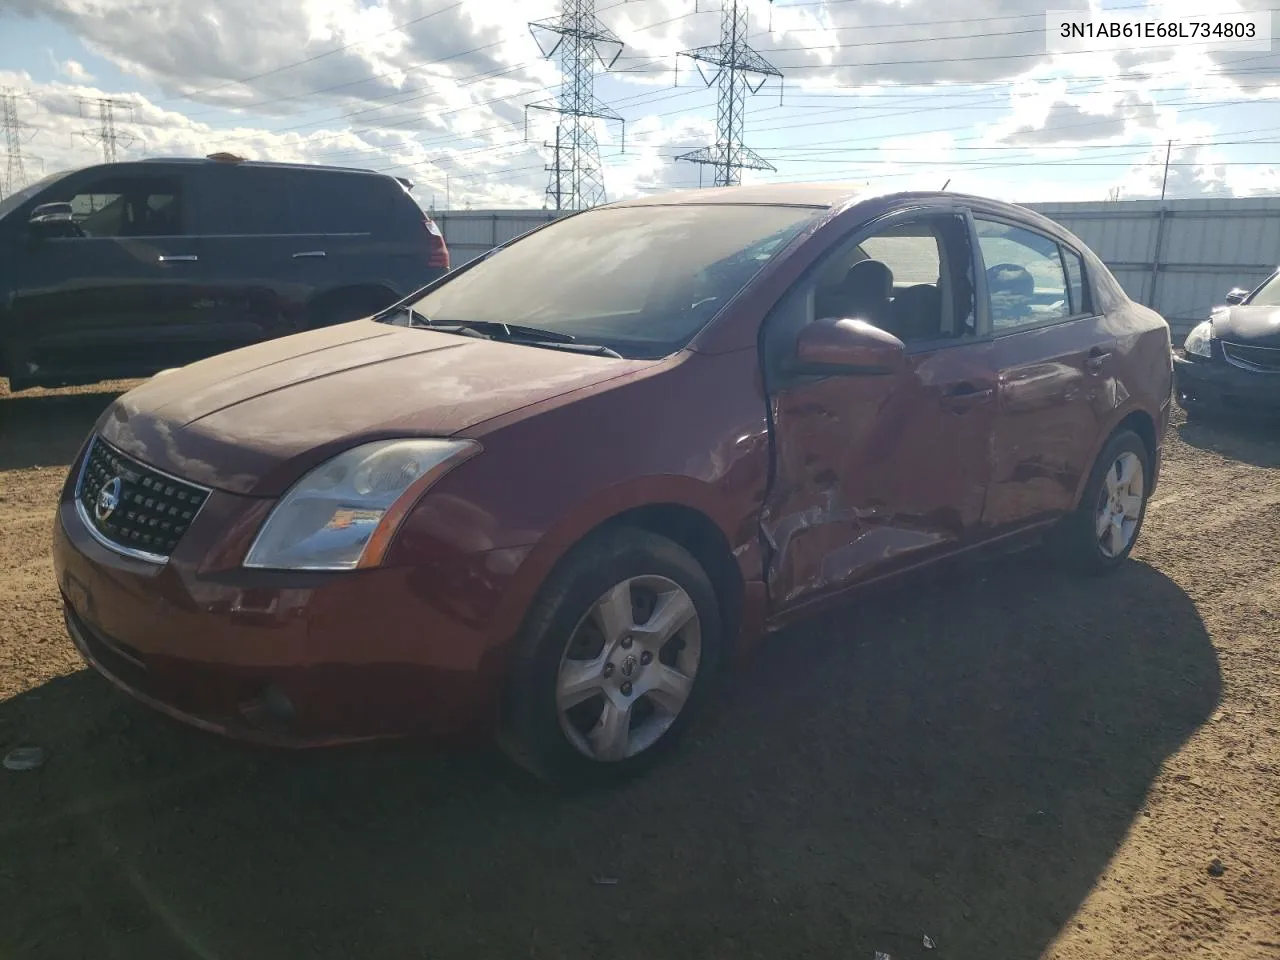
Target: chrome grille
x: 131, y: 507
x: 1264, y: 359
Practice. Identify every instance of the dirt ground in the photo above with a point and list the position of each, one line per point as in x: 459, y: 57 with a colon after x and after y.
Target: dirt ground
x: 1015, y: 763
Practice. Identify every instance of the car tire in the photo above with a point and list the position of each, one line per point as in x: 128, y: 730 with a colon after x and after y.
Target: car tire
x: 1100, y: 533
x: 626, y: 631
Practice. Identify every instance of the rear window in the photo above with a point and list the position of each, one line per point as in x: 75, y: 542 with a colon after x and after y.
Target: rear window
x: 641, y: 280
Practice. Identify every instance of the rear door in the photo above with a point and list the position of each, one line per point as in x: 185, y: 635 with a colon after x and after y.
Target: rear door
x: 1053, y: 353
x: 876, y: 473
x: 354, y: 237
x: 252, y: 291
x: 122, y: 297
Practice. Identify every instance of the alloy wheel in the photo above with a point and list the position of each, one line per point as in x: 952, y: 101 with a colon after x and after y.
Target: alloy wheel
x: 628, y: 668
x: 1120, y: 505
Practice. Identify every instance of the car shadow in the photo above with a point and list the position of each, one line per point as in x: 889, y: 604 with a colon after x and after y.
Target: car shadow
x: 958, y: 758
x: 47, y: 430
x: 1249, y: 440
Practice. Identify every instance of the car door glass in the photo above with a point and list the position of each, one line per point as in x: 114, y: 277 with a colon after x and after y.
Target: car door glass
x: 1025, y: 280
x: 897, y: 279
x: 244, y: 202
x: 127, y: 207
x: 1075, y: 282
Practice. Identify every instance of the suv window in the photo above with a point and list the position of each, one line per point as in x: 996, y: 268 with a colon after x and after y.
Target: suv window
x: 244, y: 201
x: 124, y: 206
x: 1025, y: 279
x: 331, y: 202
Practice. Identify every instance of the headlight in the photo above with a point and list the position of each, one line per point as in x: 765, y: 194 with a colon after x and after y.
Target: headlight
x: 343, y: 514
x: 1197, y: 341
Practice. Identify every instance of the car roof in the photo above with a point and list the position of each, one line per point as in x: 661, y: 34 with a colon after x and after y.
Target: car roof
x: 797, y: 194
x: 840, y: 196
x: 127, y: 165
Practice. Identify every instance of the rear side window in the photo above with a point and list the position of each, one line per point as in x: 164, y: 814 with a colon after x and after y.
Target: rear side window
x: 329, y: 202
x: 1075, y: 281
x: 1026, y: 282
x: 244, y: 201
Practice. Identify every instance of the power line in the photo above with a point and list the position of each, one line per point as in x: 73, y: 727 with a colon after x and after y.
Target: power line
x: 582, y: 41
x: 739, y: 69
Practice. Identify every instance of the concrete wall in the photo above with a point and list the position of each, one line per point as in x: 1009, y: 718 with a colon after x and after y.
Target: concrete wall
x: 1179, y: 256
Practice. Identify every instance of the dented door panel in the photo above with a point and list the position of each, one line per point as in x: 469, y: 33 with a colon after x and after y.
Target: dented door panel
x: 876, y: 473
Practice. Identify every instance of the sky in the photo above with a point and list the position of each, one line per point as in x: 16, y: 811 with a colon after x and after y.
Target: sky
x: 906, y: 94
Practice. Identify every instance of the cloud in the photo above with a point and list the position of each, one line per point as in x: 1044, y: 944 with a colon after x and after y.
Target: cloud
x: 1067, y: 122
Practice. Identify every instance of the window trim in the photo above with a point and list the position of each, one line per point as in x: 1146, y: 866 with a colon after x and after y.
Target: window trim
x: 975, y: 242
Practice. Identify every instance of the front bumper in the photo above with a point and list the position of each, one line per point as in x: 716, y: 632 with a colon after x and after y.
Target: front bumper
x: 276, y: 658
x: 1213, y: 384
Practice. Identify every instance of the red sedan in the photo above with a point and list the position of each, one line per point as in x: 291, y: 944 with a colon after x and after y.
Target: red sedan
x: 550, y: 503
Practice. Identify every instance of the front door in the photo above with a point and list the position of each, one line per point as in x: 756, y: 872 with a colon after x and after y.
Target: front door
x: 1053, y: 353
x: 115, y: 298
x: 877, y: 473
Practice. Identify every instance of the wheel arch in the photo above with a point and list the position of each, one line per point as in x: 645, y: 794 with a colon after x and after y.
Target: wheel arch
x: 674, y: 512
x: 1140, y: 422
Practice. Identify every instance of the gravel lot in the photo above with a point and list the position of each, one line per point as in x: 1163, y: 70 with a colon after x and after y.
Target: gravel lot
x: 1015, y: 763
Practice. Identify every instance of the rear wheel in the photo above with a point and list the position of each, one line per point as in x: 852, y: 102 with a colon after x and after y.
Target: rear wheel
x: 614, y: 659
x: 1101, y: 533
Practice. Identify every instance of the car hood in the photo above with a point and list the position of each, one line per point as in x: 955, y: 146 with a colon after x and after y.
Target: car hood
x: 250, y: 421
x: 1257, y: 326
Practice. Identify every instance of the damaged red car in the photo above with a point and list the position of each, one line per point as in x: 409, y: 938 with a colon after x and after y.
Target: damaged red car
x: 550, y: 497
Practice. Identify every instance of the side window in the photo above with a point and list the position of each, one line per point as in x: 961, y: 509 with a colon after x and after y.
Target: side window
x: 913, y: 279
x: 127, y: 207
x: 243, y: 201
x: 902, y: 280
x: 325, y: 202
x: 1075, y: 282
x: 1025, y: 279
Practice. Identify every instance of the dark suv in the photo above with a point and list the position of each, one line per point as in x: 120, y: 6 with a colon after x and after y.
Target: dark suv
x: 120, y: 270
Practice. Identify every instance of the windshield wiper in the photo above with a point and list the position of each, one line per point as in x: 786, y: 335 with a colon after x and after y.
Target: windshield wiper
x: 509, y: 332
x: 516, y: 331
x: 420, y: 320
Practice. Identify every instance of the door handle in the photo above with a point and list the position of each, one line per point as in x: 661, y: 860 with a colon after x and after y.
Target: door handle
x: 179, y: 258
x: 308, y: 253
x: 962, y: 396
x: 1097, y: 359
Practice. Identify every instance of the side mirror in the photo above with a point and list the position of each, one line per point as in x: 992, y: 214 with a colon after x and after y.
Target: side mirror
x: 840, y: 346
x: 52, y: 219
x: 1236, y: 295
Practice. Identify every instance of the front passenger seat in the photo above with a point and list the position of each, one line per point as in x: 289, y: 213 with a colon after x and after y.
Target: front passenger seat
x: 866, y: 292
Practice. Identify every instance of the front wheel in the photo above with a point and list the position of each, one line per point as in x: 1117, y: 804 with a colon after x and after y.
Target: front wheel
x: 1101, y: 533
x: 615, y: 657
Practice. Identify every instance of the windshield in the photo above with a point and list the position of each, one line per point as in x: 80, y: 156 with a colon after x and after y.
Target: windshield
x: 15, y: 200
x: 1268, y: 294
x: 640, y: 280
